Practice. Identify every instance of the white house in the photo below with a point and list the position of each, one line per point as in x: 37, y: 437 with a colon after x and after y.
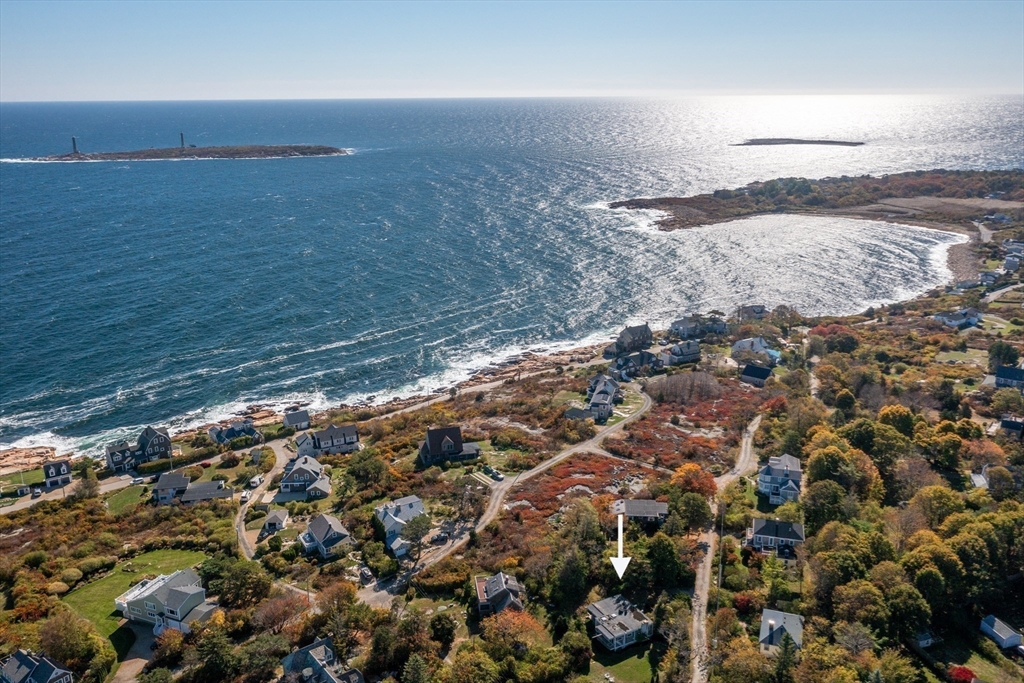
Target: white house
x: 392, y: 518
x: 773, y: 625
x: 999, y: 631
x: 780, y: 479
x: 964, y: 317
x: 618, y: 624
x: 57, y: 473
x: 296, y: 419
x: 684, y: 352
x: 323, y: 534
x: 276, y: 521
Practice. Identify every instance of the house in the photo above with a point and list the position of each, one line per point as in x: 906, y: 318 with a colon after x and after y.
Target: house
x: 306, y: 474
x: 602, y: 395
x: 775, y: 538
x: 445, y: 443
x: 1009, y: 376
x: 323, y: 534
x: 773, y: 625
x: 926, y: 638
x: 25, y: 666
x: 275, y: 521
x: 203, y: 491
x: 316, y: 663
x: 758, y: 347
x: 998, y: 218
x: 1011, y: 264
x: 780, y: 479
x: 999, y: 631
x: 964, y: 317
x: 625, y: 367
x: 683, y: 352
x: 580, y: 414
x: 1012, y: 426
x: 498, y: 592
x: 618, y: 624
x: 631, y: 339
x: 754, y: 312
x: 344, y: 439
x: 755, y: 375
x: 644, y: 511
x: 152, y: 444
x: 296, y: 419
x: 169, y: 486
x: 56, y: 473
x: 235, y: 430
x: 304, y: 445
x: 168, y: 601
x: 988, y: 278
x: 392, y: 518
x: 691, y: 326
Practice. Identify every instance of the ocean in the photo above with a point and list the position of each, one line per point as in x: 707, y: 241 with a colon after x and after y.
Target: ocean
x: 457, y: 234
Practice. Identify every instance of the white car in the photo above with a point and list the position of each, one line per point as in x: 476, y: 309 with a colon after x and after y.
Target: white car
x: 255, y: 481
x: 246, y: 495
x: 138, y: 480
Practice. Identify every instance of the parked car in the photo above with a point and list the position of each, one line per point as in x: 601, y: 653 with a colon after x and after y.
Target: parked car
x: 255, y: 481
x: 366, y: 575
x: 245, y: 496
x: 440, y: 538
x: 496, y: 475
x: 205, y: 464
x: 36, y: 493
x: 138, y: 480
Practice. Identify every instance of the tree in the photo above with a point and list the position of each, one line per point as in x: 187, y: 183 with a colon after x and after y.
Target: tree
x: 416, y: 670
x: 693, y: 478
x: 824, y: 502
x: 577, y: 648
x: 65, y: 637
x: 785, y: 660
x: 87, y: 486
x: 442, y: 629
x: 663, y: 555
x: 1000, y: 483
x: 415, y: 530
x: 846, y: 402
x: 272, y: 615
x: 854, y: 638
x: 469, y: 666
x: 936, y: 503
x: 215, y: 656
x: 908, y: 611
x: 159, y: 675
x: 1001, y: 353
x: 1007, y: 400
x: 571, y: 573
x: 243, y: 584
x: 260, y: 657
x: 899, y: 418
x: 694, y: 510
x: 860, y: 601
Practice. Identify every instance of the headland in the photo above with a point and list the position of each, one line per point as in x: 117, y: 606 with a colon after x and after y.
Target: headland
x: 227, y: 152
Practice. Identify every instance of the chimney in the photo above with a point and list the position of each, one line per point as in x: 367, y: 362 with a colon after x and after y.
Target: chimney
x: 771, y: 625
x: 182, y: 140
x: 74, y: 145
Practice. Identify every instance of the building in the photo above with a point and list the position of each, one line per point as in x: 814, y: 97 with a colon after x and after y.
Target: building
x: 498, y: 592
x: 25, y: 666
x: 445, y: 443
x: 681, y: 353
x: 168, y: 601
x: 964, y: 317
x: 692, y: 326
x: 1011, y: 264
x: 780, y: 479
x: 1009, y: 376
x: 999, y: 631
x: 323, y: 534
x: 169, y: 486
x: 343, y: 439
x: 773, y: 625
x: 988, y: 277
x: 1012, y: 426
x: 753, y: 312
x: 776, y: 538
x: 579, y: 414
x: 296, y: 419
x: 56, y: 473
x: 305, y: 474
x: 757, y: 346
x: 755, y: 375
x: 235, y: 430
x: 631, y: 339
x: 628, y: 366
x: 275, y: 521
x: 618, y: 624
x: 392, y: 518
x: 304, y: 445
x: 152, y: 444
x: 316, y: 663
x: 925, y: 639
x: 602, y: 395
x: 204, y: 491
x: 644, y: 511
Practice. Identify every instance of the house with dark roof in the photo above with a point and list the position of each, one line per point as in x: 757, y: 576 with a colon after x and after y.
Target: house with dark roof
x: 773, y: 625
x: 579, y: 414
x: 636, y: 338
x: 235, y: 430
x: 276, y: 521
x: 696, y: 325
x: 343, y: 439
x: 316, y: 663
x: 1001, y: 632
x: 1009, y: 376
x: 204, y: 491
x: 153, y: 443
x: 603, y: 394
x: 392, y: 517
x: 752, y: 312
x: 1012, y: 426
x: 774, y: 537
x: 643, y: 511
x: 498, y: 592
x: 1011, y: 264
x: 306, y: 474
x: 445, y: 443
x: 618, y: 624
x: 168, y: 601
x: 25, y: 666
x: 169, y: 486
x: 296, y: 419
x: 323, y: 534
x: 755, y: 375
x: 631, y: 365
x: 679, y: 354
x: 780, y: 479
x: 56, y: 473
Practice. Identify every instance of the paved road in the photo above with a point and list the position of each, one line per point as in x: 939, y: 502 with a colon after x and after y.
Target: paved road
x: 984, y: 233
x: 138, y: 655
x: 281, y: 457
x: 747, y: 462
x: 989, y: 298
x: 380, y: 595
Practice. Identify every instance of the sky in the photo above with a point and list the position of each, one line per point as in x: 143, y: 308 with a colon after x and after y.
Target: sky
x: 108, y: 51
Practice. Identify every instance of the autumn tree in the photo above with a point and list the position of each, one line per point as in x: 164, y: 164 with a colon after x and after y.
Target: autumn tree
x: 692, y: 478
x: 936, y: 503
x: 899, y: 418
x: 272, y: 615
x: 824, y: 502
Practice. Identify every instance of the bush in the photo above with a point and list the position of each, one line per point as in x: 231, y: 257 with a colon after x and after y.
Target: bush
x: 91, y: 565
x: 274, y: 543
x: 35, y: 559
x: 71, y: 576
x: 220, y: 476
x: 229, y: 460
x: 960, y: 674
x: 57, y: 588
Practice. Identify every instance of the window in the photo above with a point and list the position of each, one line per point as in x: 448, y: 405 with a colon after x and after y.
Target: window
x: 151, y: 614
x: 150, y: 605
x: 135, y: 610
x: 172, y: 612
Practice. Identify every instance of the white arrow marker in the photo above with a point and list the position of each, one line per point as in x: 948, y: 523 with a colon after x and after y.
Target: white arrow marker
x: 620, y: 563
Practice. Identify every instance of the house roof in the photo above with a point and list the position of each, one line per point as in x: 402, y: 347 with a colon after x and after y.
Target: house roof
x: 172, y: 480
x: 791, y: 531
x: 276, y: 517
x: 784, y: 622
x: 308, y: 464
x: 757, y: 372
x: 1012, y: 424
x: 616, y: 616
x: 321, y: 484
x: 436, y: 436
x: 501, y: 582
x: 998, y: 626
x: 399, y: 512
x: 578, y: 414
x: 783, y: 466
x: 206, y: 490
x: 160, y: 588
x: 24, y: 666
x: 295, y: 417
x: 57, y: 464
x: 640, y: 508
x: 177, y: 596
x: 322, y: 525
x: 118, y: 447
x: 149, y: 432
x: 1011, y: 373
x: 333, y: 432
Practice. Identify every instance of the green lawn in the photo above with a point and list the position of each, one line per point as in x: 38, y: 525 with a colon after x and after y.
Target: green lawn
x: 95, y: 601
x: 31, y: 477
x: 975, y: 356
x: 125, y: 498
x: 564, y: 397
x: 955, y: 650
x: 632, y: 665
x: 631, y: 402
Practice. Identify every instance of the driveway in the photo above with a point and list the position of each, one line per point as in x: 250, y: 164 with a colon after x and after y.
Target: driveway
x: 138, y: 656
x: 281, y: 457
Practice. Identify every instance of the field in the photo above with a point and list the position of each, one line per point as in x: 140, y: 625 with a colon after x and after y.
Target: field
x: 632, y: 665
x: 957, y: 651
x: 14, y: 479
x: 125, y: 499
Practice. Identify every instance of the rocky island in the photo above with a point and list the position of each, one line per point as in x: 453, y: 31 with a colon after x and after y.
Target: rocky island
x: 228, y: 152
x: 756, y: 142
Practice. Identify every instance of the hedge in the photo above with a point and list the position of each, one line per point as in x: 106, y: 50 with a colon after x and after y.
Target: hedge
x: 164, y: 464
